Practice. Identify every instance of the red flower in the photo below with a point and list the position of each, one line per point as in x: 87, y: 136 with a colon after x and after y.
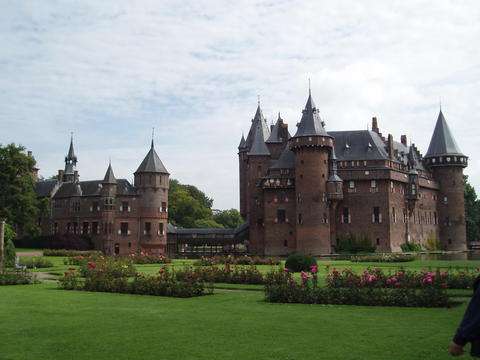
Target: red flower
x: 91, y: 265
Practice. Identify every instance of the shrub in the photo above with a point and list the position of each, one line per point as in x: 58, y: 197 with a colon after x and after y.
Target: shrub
x: 228, y: 274
x: 65, y: 252
x: 35, y: 262
x: 108, y: 266
x: 145, y: 258
x: 388, y: 258
x: 354, y: 244
x: 237, y: 260
x: 411, y: 247
x: 432, y: 243
x: 281, y: 287
x: 16, y: 277
x: 298, y: 262
x: 10, y: 254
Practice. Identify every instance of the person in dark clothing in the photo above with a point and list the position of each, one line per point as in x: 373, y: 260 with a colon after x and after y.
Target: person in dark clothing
x: 469, y: 329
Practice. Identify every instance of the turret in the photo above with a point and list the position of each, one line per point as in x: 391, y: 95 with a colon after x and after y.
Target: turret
x: 312, y: 146
x: 242, y: 169
x: 278, y: 138
x: 109, y: 183
x: 70, y: 173
x: 152, y: 183
x: 447, y: 162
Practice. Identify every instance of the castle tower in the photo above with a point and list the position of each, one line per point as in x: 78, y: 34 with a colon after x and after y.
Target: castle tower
x: 258, y: 162
x: 334, y: 195
x: 70, y: 173
x: 447, y: 163
x: 152, y: 183
x: 312, y: 146
x: 242, y: 166
x: 108, y: 193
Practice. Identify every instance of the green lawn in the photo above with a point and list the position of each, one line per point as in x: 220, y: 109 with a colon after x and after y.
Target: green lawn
x: 41, y: 322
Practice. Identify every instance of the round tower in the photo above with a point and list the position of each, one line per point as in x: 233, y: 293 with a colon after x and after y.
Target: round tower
x: 152, y: 184
x: 108, y: 194
x: 242, y: 167
x: 447, y: 162
x: 312, y: 146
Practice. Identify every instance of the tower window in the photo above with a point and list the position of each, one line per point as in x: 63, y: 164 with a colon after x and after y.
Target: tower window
x: 281, y: 216
x: 351, y: 184
x: 394, y: 215
x: 161, y: 229
x: 376, y: 216
x: 164, y: 206
x: 300, y: 219
x: 147, y: 229
x: 373, y: 184
x: 124, y: 228
x: 125, y: 206
x: 346, y: 216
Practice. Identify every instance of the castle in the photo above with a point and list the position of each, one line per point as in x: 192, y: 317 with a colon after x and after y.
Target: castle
x: 304, y: 193
x: 120, y: 218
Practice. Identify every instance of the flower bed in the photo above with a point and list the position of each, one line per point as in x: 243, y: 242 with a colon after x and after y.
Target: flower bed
x: 388, y: 258
x: 281, y: 287
x: 35, y: 262
x: 237, y: 260
x: 16, y: 277
x: 377, y: 278
x: 70, y: 253
x: 165, y: 283
x: 236, y: 274
x: 146, y: 258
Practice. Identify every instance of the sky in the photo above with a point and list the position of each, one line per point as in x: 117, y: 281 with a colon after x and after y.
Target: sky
x: 110, y: 71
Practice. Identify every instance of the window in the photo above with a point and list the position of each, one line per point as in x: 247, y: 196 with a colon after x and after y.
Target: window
x: 376, y: 216
x: 125, y: 207
x: 95, y: 227
x: 94, y: 206
x: 75, y: 228
x: 147, y: 229
x: 445, y: 200
x: 351, y: 184
x: 346, y: 216
x: 394, y: 215
x: 124, y: 228
x: 108, y: 203
x: 161, y: 229
x: 435, y: 220
x: 447, y: 221
x: 373, y: 184
x: 300, y: 219
x: 117, y: 248
x: 55, y: 228
x: 85, y: 228
x: 392, y: 187
x: 405, y: 216
x: 299, y: 198
x: 325, y: 218
x: 378, y: 241
x: 285, y: 243
x: 129, y: 245
x: 281, y: 216
x: 164, y: 206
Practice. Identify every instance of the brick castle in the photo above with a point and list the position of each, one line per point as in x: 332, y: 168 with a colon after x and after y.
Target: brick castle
x: 120, y: 217
x: 305, y: 192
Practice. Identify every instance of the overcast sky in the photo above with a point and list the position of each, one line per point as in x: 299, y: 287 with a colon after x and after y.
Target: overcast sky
x: 111, y: 70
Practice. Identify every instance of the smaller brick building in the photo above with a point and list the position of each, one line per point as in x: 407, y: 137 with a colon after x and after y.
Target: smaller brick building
x: 120, y: 217
x: 305, y: 192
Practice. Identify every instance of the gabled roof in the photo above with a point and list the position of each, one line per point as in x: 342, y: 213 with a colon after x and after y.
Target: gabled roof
x: 310, y: 124
x: 258, y: 144
x: 152, y: 163
x: 258, y: 124
x: 109, y: 176
x: 285, y: 161
x: 358, y: 145
x: 442, y: 142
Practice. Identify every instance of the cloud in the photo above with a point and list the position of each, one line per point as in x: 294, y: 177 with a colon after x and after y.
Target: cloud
x: 111, y: 70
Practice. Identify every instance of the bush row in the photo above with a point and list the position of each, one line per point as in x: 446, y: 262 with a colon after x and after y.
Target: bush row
x: 236, y: 260
x: 69, y: 253
x: 387, y: 258
x: 35, y: 262
x: 16, y: 277
x: 236, y: 274
x: 281, y: 287
x: 377, y: 278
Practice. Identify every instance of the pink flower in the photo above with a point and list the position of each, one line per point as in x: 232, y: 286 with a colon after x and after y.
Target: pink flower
x: 304, y: 276
x: 286, y: 270
x: 313, y: 269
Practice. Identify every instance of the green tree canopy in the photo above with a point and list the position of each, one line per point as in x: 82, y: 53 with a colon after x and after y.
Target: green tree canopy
x: 18, y: 201
x: 472, y: 212
x: 229, y: 218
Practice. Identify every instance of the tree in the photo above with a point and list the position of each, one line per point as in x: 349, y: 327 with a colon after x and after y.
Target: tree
x: 9, y: 247
x: 18, y: 201
x: 229, y: 218
x: 208, y: 223
x: 472, y: 212
x: 184, y: 209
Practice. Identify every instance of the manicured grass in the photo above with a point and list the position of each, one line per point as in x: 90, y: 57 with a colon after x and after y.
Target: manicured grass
x: 40, y: 322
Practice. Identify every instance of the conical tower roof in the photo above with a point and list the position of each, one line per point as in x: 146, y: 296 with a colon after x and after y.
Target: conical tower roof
x: 152, y: 163
x: 333, y: 168
x: 275, y: 135
x: 71, y: 151
x: 109, y: 176
x: 310, y: 124
x: 442, y: 142
x: 243, y: 143
x: 258, y: 144
x: 258, y: 124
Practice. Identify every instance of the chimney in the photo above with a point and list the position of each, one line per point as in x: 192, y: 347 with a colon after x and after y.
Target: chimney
x: 375, y: 125
x: 390, y: 146
x: 60, y: 175
x: 403, y: 139
x: 75, y: 175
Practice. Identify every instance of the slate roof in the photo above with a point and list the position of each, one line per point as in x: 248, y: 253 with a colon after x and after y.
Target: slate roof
x: 442, y: 142
x: 285, y: 161
x: 243, y: 143
x: 275, y: 133
x: 310, y: 124
x: 109, y: 176
x: 333, y: 168
x: 258, y: 123
x: 359, y: 145
x: 92, y: 188
x: 258, y: 146
x: 152, y: 163
x: 44, y: 188
x: 71, y: 152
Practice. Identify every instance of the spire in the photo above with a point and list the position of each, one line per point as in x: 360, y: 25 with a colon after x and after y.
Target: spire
x: 153, y: 136
x: 442, y: 142
x: 152, y: 163
x: 258, y: 122
x: 333, y: 168
x: 71, y: 153
x: 275, y: 136
x: 310, y: 124
x: 109, y: 176
x: 243, y: 143
x: 258, y: 144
